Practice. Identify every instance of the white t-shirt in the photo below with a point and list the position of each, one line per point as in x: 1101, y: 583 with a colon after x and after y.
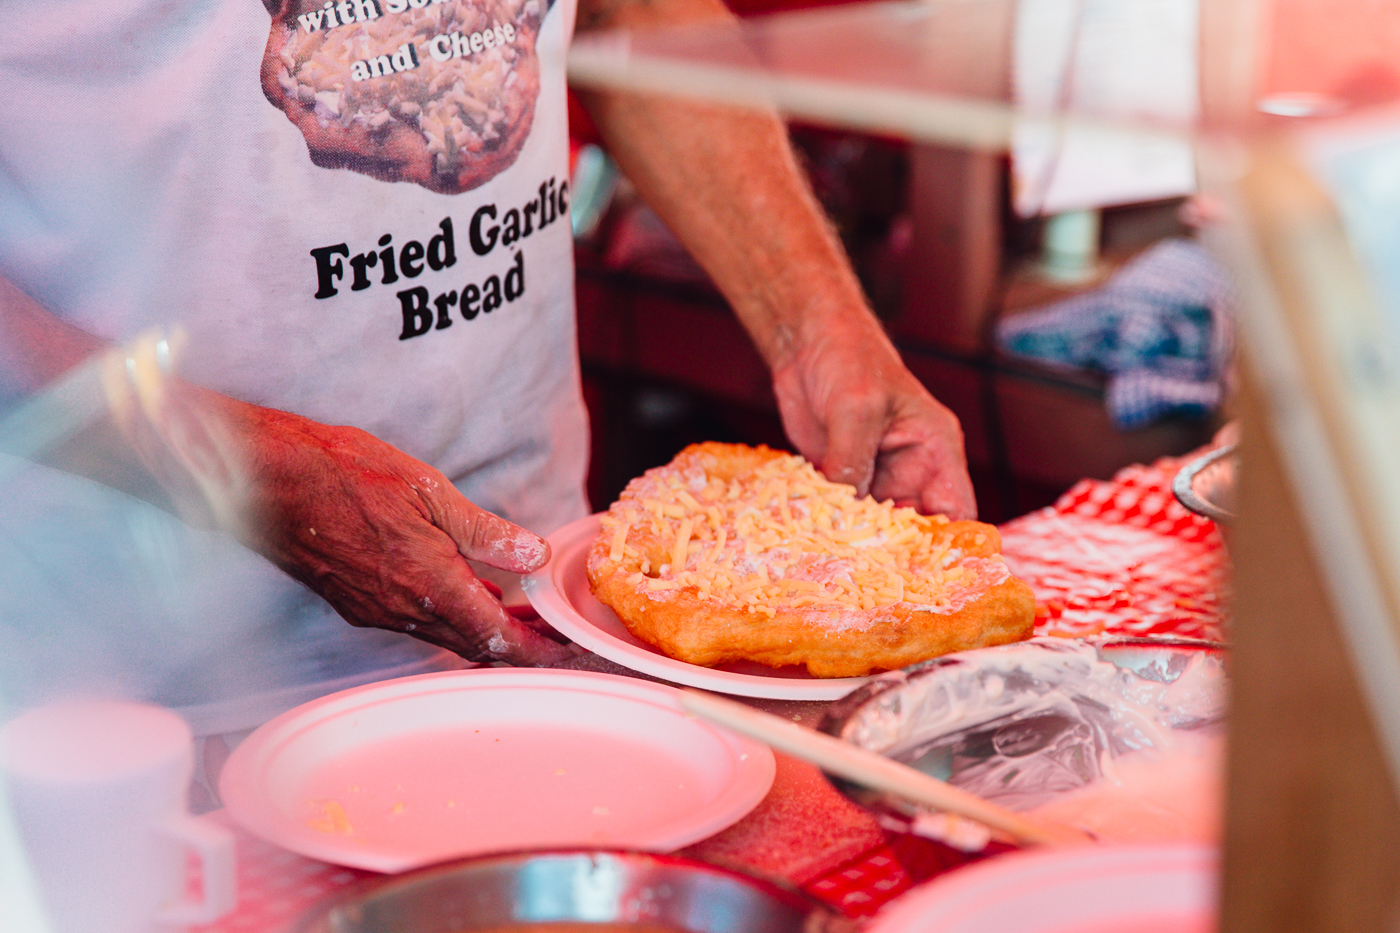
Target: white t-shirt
x: 357, y: 211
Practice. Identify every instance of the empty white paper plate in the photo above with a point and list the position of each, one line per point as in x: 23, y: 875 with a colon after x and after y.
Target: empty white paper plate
x: 404, y: 773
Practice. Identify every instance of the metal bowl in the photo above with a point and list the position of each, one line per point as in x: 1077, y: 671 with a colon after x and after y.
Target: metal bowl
x: 619, y: 890
x: 1020, y: 724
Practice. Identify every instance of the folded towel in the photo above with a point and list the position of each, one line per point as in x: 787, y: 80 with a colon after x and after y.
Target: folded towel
x: 1160, y: 327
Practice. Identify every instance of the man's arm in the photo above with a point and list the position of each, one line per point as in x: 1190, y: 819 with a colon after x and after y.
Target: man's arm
x: 382, y: 537
x: 36, y: 348
x: 727, y: 183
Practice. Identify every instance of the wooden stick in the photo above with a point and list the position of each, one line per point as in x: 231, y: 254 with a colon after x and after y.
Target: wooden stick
x: 872, y: 770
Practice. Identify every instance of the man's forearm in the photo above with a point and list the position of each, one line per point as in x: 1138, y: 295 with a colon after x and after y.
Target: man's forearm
x: 35, y: 346
x: 726, y: 182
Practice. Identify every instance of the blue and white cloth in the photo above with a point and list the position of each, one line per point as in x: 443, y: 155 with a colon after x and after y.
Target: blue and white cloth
x: 1161, y: 328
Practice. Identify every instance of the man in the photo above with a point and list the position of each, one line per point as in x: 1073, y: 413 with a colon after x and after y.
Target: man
x: 353, y: 209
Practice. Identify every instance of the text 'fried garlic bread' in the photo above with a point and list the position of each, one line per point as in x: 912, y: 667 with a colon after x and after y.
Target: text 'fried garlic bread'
x: 737, y: 553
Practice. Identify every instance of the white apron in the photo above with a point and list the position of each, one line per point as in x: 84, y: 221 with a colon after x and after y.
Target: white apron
x: 390, y: 251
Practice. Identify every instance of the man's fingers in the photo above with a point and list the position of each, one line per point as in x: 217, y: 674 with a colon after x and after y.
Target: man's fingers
x: 922, y: 463
x: 800, y: 420
x: 469, y: 616
x: 524, y: 612
x: 949, y: 493
x: 911, y: 478
x: 482, y: 536
x: 853, y: 439
x: 473, y: 623
x: 926, y: 476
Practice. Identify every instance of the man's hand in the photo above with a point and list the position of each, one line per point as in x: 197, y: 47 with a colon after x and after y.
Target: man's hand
x: 379, y: 535
x: 385, y: 540
x: 852, y: 408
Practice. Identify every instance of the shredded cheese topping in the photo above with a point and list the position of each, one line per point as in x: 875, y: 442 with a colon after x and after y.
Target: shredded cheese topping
x: 783, y: 536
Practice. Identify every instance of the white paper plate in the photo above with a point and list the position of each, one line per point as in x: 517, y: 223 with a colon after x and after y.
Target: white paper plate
x: 560, y: 594
x: 399, y: 774
x: 1094, y: 889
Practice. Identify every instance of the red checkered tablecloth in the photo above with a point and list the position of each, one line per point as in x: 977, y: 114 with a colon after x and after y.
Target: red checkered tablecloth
x: 1116, y: 557
x: 1122, y: 557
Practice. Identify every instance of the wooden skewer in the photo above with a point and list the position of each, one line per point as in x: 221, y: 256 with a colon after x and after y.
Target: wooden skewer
x: 872, y: 770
